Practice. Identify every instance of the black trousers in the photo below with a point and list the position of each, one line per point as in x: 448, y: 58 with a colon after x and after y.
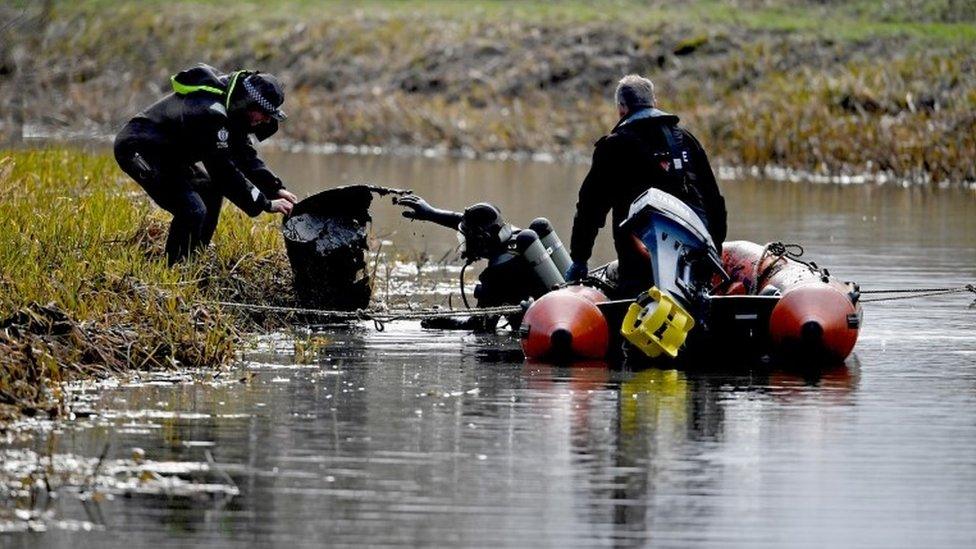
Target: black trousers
x: 183, y: 190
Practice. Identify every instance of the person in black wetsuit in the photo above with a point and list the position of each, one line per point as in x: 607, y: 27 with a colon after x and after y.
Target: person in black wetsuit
x: 486, y: 236
x: 521, y: 263
x: 207, y: 119
x: 645, y: 149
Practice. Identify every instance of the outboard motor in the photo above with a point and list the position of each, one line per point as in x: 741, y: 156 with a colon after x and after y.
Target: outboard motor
x: 683, y: 258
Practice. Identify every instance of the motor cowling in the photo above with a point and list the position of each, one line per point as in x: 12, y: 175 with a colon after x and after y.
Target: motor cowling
x: 678, y: 245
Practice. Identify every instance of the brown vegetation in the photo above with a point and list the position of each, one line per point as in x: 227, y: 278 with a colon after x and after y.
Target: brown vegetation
x: 755, y: 95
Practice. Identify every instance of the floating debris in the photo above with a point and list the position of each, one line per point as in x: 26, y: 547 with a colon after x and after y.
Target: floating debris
x: 29, y: 481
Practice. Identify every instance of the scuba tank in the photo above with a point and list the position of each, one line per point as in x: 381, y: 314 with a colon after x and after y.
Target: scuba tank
x: 529, y: 246
x: 552, y: 243
x: 519, y: 266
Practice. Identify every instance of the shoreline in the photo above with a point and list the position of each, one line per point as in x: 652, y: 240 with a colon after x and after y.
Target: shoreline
x: 723, y: 172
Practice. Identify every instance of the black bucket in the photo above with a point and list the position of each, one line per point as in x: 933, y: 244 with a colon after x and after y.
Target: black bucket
x: 326, y: 240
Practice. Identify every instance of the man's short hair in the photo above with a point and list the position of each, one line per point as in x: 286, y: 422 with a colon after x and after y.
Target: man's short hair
x: 635, y: 92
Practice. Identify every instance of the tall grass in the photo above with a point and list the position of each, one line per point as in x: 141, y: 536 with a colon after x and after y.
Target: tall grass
x: 84, y: 286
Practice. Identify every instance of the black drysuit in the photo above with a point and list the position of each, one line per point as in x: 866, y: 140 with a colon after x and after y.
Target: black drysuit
x: 160, y: 148
x: 634, y: 157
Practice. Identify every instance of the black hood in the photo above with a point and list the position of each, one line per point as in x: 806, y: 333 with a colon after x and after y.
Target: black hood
x: 201, y: 78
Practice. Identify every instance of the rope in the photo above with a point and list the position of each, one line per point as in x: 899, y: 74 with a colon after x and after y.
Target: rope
x: 374, y: 315
x: 781, y: 252
x: 914, y: 293
x: 464, y: 295
x: 380, y: 317
x: 917, y: 290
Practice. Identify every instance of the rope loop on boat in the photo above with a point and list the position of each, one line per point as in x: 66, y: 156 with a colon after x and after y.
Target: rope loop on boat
x: 781, y: 252
x: 791, y: 250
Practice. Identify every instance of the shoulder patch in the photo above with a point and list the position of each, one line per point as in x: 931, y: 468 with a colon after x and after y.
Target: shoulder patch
x: 218, y: 108
x: 222, y: 136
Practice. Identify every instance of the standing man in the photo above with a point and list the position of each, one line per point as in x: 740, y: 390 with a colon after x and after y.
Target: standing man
x: 645, y: 149
x: 207, y: 119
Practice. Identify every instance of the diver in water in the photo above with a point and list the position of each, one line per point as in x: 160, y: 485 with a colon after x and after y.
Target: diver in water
x: 208, y: 118
x: 646, y: 149
x: 522, y: 263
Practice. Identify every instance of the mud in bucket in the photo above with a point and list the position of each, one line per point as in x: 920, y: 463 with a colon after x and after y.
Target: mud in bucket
x: 326, y: 238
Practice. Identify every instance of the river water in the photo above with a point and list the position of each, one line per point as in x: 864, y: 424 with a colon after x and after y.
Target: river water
x: 350, y: 436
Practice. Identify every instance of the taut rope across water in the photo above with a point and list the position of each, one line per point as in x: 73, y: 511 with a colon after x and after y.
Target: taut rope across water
x: 377, y: 315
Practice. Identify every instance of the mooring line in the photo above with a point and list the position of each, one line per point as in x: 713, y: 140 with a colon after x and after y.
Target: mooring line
x: 967, y: 287
x: 371, y: 314
x: 917, y: 293
x: 382, y: 316
x: 392, y: 314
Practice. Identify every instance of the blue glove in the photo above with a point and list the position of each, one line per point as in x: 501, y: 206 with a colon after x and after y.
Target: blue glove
x: 576, y: 271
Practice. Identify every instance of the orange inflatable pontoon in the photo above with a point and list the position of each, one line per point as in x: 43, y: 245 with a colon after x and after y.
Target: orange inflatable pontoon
x: 814, y: 311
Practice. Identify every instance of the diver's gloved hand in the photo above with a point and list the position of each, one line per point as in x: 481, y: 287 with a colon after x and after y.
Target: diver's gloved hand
x: 576, y: 272
x: 418, y: 207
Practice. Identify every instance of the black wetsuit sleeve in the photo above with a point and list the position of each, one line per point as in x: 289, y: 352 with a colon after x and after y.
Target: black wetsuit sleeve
x: 445, y: 218
x: 594, y: 203
x: 712, y: 199
x: 225, y: 173
x: 247, y: 160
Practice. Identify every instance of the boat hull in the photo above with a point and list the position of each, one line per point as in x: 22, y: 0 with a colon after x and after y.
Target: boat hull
x: 771, y: 306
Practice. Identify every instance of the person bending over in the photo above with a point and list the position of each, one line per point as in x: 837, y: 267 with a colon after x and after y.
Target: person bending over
x: 207, y: 119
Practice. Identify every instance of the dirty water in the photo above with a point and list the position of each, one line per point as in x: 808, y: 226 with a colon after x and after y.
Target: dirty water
x: 348, y: 436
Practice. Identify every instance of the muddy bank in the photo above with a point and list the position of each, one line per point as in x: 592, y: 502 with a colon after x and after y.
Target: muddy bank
x: 803, y: 99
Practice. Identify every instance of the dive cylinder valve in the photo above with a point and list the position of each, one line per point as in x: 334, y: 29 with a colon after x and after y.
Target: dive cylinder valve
x: 552, y: 243
x: 657, y: 324
x: 527, y: 244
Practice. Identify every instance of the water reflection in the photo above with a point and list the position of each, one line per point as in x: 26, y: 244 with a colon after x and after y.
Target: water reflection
x: 364, y: 433
x: 641, y: 438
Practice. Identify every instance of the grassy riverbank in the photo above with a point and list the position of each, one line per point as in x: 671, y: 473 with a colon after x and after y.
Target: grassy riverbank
x: 827, y: 87
x: 84, y: 286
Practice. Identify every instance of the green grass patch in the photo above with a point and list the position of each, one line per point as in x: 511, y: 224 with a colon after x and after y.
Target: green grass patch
x: 84, y: 286
x: 926, y: 20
